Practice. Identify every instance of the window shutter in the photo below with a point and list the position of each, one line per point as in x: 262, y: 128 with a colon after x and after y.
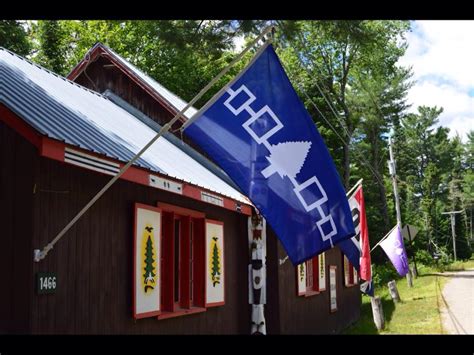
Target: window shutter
x: 322, y: 271
x: 301, y: 279
x: 215, y: 273
x: 146, y: 261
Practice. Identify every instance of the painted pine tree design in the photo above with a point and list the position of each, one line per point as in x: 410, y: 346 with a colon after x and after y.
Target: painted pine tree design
x: 149, y: 274
x: 286, y: 159
x: 301, y: 272
x: 216, y: 265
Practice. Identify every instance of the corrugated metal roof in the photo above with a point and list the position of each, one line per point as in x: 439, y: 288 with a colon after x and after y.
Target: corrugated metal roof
x: 66, y: 111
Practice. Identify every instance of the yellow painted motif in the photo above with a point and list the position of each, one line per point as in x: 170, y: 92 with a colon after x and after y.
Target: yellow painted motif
x: 215, y: 268
x: 322, y: 264
x: 149, y: 258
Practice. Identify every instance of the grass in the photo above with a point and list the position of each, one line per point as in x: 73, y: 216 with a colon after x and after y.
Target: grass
x: 417, y: 313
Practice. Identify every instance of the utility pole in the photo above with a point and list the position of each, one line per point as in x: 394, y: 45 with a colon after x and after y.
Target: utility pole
x: 453, y: 229
x: 393, y: 175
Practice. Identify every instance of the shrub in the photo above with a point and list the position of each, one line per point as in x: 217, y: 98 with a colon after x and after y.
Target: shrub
x: 381, y: 274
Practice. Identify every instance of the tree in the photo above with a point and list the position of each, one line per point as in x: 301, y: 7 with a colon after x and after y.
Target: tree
x: 216, y: 264
x: 148, y: 276
x: 336, y: 51
x: 14, y: 36
x: 52, y: 45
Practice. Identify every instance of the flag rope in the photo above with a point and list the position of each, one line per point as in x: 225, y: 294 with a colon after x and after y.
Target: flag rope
x: 41, y: 254
x: 381, y: 240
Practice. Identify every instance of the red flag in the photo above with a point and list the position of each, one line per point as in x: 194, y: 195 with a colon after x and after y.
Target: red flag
x: 365, y: 269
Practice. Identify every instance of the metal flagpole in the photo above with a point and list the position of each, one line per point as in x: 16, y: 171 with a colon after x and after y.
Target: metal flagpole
x: 41, y: 254
x: 393, y: 174
x: 348, y: 193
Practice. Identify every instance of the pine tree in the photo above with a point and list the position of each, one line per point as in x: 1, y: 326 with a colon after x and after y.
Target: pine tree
x: 216, y: 270
x: 149, y: 268
x: 301, y: 272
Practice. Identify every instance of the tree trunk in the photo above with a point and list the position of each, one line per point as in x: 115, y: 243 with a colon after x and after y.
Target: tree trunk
x: 375, y: 164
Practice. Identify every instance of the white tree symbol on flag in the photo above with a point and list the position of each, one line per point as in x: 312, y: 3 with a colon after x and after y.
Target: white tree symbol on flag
x: 286, y: 159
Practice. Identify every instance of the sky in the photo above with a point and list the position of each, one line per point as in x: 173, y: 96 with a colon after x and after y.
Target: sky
x: 441, y: 54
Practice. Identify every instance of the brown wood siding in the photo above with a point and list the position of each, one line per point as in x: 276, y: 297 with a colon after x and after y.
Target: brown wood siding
x: 17, y: 161
x: 93, y: 261
x: 311, y: 315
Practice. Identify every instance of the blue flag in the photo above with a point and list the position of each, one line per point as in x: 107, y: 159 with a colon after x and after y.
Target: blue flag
x: 260, y: 133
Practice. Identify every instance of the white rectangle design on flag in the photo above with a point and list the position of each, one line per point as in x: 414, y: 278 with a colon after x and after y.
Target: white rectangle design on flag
x: 146, y: 261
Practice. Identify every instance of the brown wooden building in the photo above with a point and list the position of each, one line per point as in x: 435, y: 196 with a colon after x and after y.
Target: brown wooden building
x: 60, y: 143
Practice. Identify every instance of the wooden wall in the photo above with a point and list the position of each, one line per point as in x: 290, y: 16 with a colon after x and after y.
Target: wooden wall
x: 17, y: 161
x: 93, y: 261
x: 310, y: 315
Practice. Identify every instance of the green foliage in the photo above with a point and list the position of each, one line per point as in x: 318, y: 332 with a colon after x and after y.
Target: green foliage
x: 382, y: 274
x: 14, y: 37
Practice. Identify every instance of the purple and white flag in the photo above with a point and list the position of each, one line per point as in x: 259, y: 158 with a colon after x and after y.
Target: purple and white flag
x: 395, y: 249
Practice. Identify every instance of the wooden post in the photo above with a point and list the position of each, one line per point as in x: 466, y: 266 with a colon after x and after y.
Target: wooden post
x: 377, y: 312
x: 410, y: 276
x: 392, y: 288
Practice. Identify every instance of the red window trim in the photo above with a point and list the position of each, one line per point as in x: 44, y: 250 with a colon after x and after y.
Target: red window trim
x: 183, y: 312
x: 315, y: 287
x: 185, y: 306
x: 180, y: 210
x: 351, y: 269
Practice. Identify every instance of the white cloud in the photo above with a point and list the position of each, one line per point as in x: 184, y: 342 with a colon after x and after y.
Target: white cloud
x: 441, y: 54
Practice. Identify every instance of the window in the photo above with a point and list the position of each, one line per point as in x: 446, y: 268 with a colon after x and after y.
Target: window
x: 350, y: 273
x: 182, y: 261
x: 311, y: 280
x: 192, y: 261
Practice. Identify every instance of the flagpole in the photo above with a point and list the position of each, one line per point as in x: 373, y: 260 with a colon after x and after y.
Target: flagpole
x: 348, y: 193
x: 381, y: 240
x: 41, y: 254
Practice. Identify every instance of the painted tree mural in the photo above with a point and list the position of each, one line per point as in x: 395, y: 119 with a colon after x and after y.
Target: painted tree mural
x: 216, y: 264
x: 149, y: 275
x: 302, y: 276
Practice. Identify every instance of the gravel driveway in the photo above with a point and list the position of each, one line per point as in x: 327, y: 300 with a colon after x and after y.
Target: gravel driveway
x: 457, y: 303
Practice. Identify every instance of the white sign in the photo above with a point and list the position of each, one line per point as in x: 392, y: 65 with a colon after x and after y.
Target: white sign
x: 332, y: 288
x: 409, y: 232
